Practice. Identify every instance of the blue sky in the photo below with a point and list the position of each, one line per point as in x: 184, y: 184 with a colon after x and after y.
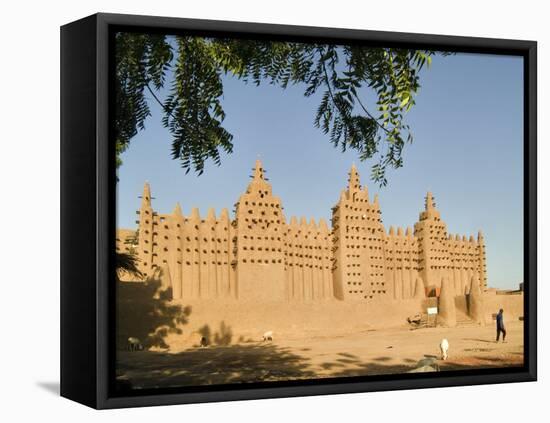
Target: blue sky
x: 467, y: 150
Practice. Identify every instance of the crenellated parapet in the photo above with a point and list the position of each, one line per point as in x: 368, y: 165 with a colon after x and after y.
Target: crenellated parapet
x: 196, y: 250
x: 308, y: 263
x: 467, y: 260
x: 401, y: 258
x: 260, y: 257
x: 443, y: 255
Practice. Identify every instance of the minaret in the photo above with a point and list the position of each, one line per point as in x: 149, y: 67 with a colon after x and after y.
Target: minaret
x: 431, y: 233
x: 146, y: 232
x: 355, y: 192
x: 260, y: 238
x: 258, y: 171
x: 258, y: 182
x: 146, y: 196
x: 354, y: 184
x: 429, y: 203
x: 358, y: 242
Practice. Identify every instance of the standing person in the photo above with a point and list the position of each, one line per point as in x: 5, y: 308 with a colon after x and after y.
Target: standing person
x: 500, y: 325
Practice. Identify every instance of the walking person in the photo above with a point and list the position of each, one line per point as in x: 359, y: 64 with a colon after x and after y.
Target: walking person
x: 500, y: 325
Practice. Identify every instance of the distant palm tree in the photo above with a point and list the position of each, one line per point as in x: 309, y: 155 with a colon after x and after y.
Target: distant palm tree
x: 127, y: 263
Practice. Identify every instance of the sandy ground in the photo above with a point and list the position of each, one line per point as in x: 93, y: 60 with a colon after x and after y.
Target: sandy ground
x: 369, y: 352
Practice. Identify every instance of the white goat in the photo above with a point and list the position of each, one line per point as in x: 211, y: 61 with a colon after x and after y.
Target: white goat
x: 444, y: 347
x: 268, y: 336
x: 134, y: 344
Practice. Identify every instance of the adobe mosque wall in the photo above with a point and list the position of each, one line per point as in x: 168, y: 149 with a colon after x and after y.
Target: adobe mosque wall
x: 258, y: 257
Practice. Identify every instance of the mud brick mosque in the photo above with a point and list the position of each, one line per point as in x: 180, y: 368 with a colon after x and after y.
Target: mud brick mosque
x: 260, y: 257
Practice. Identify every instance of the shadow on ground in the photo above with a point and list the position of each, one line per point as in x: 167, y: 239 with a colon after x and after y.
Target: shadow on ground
x: 144, y: 311
x: 213, y: 365
x: 222, y: 337
x: 259, y: 362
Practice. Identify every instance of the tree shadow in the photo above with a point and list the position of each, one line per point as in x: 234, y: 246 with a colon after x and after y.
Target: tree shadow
x: 144, y: 311
x: 481, y: 362
x: 347, y: 355
x: 382, y: 359
x: 356, y: 367
x: 371, y: 369
x: 261, y: 362
x: 212, y: 366
x: 330, y: 366
x: 382, y: 366
x: 480, y: 340
x: 222, y: 337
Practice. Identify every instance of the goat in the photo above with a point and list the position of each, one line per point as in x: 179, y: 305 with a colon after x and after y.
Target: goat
x: 444, y: 347
x: 134, y: 344
x: 268, y: 336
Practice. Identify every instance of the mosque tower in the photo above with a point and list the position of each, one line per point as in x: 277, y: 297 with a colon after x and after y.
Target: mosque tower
x: 145, y: 222
x: 431, y: 233
x: 260, y: 225
x: 358, y: 244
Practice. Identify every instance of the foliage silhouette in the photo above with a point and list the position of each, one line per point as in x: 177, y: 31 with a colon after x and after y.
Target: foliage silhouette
x: 343, y: 75
x: 222, y: 337
x: 126, y: 263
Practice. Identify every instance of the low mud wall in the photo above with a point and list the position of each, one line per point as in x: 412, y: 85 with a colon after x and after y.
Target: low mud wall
x: 223, y: 323
x: 511, y: 303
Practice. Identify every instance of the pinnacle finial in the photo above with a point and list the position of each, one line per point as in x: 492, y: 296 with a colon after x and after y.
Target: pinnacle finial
x: 343, y: 195
x: 354, y: 181
x: 146, y: 196
x: 224, y: 215
x: 258, y: 170
x: 177, y: 209
x: 195, y: 215
x: 211, y: 215
x: 430, y: 203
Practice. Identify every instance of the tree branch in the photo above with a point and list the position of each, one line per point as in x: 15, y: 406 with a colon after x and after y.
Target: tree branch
x: 371, y: 116
x: 158, y: 101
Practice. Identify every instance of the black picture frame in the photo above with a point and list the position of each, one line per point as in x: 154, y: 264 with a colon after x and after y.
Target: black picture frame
x: 88, y: 201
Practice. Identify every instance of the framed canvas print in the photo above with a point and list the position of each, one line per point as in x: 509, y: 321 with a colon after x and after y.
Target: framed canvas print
x: 256, y: 211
